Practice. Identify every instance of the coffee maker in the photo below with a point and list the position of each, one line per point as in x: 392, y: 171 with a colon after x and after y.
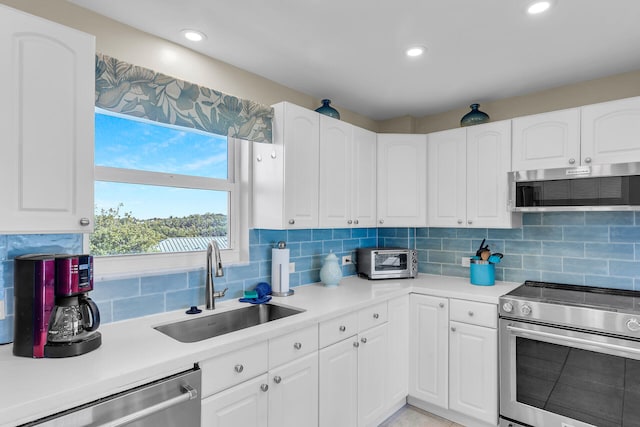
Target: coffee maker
x: 54, y: 317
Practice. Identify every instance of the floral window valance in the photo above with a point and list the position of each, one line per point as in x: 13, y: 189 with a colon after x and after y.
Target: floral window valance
x: 140, y: 92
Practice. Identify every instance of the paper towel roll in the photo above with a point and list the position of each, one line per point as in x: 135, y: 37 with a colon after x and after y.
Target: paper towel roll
x: 280, y: 272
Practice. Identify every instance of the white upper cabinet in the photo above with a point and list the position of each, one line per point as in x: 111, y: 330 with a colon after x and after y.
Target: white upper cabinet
x: 46, y: 157
x: 467, y: 177
x: 286, y: 175
x: 402, y: 180
x: 548, y: 140
x: 347, y: 175
x: 611, y: 132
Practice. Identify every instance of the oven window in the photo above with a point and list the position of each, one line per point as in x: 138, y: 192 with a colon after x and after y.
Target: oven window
x: 592, y: 387
x: 391, y: 262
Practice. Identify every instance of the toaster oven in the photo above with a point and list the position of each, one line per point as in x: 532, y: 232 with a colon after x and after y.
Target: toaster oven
x: 387, y: 263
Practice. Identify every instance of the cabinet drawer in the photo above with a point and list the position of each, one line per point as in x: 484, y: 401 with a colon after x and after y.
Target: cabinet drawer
x: 476, y: 313
x: 226, y: 370
x: 337, y: 329
x: 293, y: 345
x: 372, y: 316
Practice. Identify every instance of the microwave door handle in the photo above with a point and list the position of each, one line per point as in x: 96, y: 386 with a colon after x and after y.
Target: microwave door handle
x: 561, y: 339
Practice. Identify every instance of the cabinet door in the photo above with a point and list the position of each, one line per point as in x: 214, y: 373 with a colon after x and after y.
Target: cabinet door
x: 46, y: 116
x: 268, y: 186
x: 372, y: 363
x: 548, y: 140
x: 446, y: 183
x: 293, y: 393
x: 473, y: 374
x: 402, y: 180
x: 488, y: 162
x: 336, y: 152
x: 363, y: 182
x: 429, y: 348
x: 298, y: 129
x: 244, y: 405
x: 610, y: 132
x: 398, y: 350
x: 339, y: 384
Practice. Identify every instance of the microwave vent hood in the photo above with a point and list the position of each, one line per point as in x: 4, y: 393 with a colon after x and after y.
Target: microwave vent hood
x: 607, y: 187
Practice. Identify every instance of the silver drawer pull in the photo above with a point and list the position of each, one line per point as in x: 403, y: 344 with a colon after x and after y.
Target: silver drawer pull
x: 343, y: 328
x: 238, y: 368
x: 470, y: 313
x: 441, y: 305
x: 277, y: 379
x: 363, y: 340
x: 356, y: 344
x: 453, y: 329
x: 297, y: 346
x: 376, y: 315
x: 264, y: 387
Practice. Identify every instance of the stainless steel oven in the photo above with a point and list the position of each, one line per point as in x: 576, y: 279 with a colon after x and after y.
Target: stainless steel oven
x: 569, y: 356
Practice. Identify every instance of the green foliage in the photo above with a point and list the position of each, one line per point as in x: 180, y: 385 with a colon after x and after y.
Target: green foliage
x: 119, y: 233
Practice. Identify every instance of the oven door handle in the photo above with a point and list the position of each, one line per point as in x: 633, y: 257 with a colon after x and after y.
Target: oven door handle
x: 575, y: 340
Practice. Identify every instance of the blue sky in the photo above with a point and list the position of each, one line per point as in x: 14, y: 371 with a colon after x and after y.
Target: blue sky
x: 133, y: 144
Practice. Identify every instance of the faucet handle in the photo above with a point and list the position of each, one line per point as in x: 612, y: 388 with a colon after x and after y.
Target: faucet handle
x: 220, y: 294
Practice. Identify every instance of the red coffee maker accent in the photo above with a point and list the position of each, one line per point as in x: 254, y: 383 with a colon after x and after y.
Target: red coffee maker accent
x: 54, y: 316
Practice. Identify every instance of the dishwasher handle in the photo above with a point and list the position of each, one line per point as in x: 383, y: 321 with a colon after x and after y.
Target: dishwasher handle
x: 188, y: 393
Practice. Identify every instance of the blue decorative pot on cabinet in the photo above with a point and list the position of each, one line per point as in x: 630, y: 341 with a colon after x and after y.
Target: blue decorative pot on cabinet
x: 474, y: 117
x: 328, y: 110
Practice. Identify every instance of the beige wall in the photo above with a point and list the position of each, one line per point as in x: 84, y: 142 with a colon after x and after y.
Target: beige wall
x: 590, y: 92
x: 139, y: 48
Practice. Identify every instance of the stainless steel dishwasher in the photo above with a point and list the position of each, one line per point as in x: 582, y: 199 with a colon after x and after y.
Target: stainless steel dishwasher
x: 171, y: 401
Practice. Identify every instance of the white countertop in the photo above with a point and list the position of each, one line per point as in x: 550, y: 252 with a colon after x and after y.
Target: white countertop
x: 133, y: 353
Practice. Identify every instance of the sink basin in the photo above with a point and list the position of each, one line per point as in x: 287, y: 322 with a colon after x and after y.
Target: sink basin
x: 201, y: 328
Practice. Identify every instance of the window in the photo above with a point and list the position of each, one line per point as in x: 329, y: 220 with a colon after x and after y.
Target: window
x: 162, y: 193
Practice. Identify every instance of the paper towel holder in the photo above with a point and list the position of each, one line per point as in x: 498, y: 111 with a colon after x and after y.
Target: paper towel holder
x: 283, y: 269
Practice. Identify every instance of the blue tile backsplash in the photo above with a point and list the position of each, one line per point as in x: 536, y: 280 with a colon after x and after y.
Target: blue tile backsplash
x: 584, y: 248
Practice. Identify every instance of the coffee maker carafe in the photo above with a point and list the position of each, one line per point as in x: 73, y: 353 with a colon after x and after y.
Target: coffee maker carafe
x: 54, y: 315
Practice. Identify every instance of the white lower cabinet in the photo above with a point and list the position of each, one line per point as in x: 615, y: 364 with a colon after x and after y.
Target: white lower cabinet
x: 339, y: 384
x: 454, y: 359
x: 293, y: 393
x: 244, y: 405
x: 372, y: 365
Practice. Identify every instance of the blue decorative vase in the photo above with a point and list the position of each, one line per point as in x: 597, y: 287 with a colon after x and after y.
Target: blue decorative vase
x: 331, y: 273
x: 328, y: 110
x: 474, y: 117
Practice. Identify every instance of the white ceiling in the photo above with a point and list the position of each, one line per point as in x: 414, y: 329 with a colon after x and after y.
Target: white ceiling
x: 352, y: 51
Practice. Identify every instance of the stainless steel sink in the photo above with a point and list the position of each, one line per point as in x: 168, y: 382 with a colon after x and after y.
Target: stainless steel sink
x: 201, y: 328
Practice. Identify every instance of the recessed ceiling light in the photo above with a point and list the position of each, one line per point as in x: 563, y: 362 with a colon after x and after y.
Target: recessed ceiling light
x: 193, y: 35
x: 538, y: 7
x: 415, y: 51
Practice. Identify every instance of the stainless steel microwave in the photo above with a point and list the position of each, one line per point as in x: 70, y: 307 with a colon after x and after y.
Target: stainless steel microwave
x: 387, y: 263
x: 584, y: 188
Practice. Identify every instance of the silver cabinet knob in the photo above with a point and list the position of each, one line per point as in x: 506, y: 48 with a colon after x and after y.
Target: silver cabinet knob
x: 259, y: 158
x: 238, y: 368
x: 349, y: 222
x: 297, y: 346
x: 292, y: 221
x: 459, y: 221
x: 441, y: 305
x: 356, y: 344
x: 84, y: 222
x: 470, y: 313
x: 572, y: 161
x: 273, y: 155
x: 376, y: 315
x: 264, y: 387
x: 381, y: 221
x: 277, y: 379
x: 342, y: 328
x: 587, y: 160
x: 453, y: 329
x: 363, y: 340
x: 355, y: 221
x: 469, y: 222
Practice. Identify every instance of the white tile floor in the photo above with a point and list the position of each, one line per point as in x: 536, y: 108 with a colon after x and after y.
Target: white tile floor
x: 410, y: 416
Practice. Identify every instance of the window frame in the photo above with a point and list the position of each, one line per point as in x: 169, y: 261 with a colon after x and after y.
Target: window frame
x: 238, y: 186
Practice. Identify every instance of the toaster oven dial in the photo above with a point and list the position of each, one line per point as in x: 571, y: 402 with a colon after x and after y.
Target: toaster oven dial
x: 633, y: 325
x: 525, y: 310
